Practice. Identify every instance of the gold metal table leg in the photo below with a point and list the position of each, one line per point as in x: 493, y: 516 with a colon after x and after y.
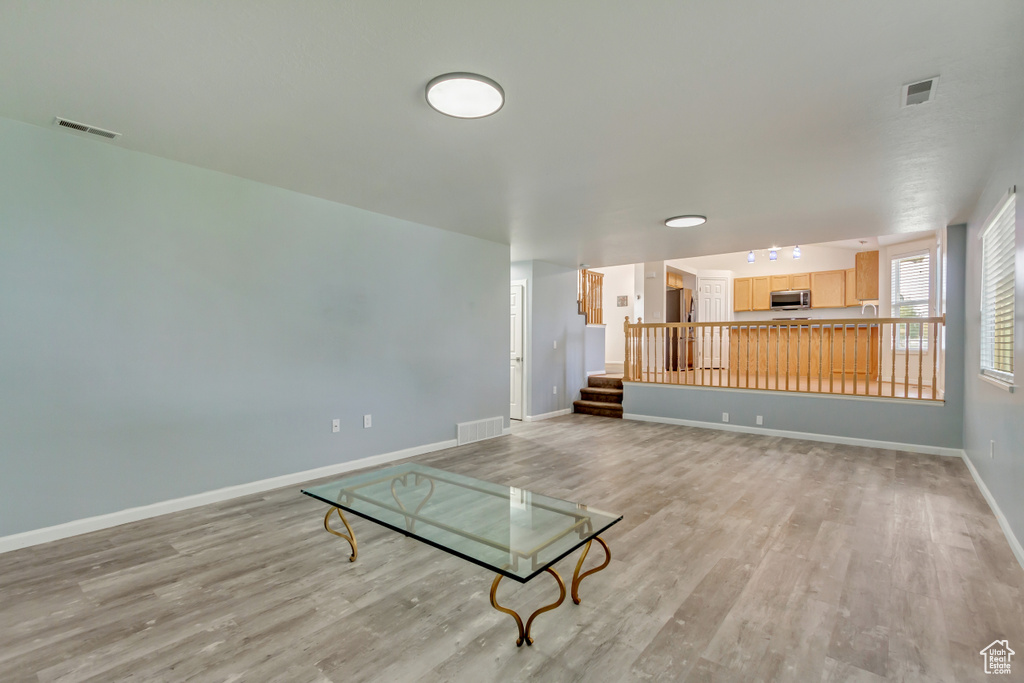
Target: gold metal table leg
x: 524, y: 632
x: 350, y: 536
x: 577, y: 577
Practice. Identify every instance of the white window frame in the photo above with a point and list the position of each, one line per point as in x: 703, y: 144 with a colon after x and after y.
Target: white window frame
x: 993, y: 375
x: 901, y: 339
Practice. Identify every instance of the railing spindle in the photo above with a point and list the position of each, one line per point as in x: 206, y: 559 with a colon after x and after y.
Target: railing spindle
x: 935, y: 360
x: 821, y: 347
x: 921, y: 357
x: 842, y: 365
x: 721, y: 349
x: 799, y: 354
x: 788, y: 352
x: 698, y: 356
x: 831, y: 356
x: 856, y: 343
x: 877, y: 365
x: 757, y: 360
x: 778, y: 359
x: 906, y: 357
x: 892, y: 353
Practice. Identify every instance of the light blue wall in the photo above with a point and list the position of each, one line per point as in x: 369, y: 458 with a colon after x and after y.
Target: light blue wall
x: 552, y: 316
x: 167, y: 330
x: 898, y: 421
x: 593, y: 349
x: 991, y: 413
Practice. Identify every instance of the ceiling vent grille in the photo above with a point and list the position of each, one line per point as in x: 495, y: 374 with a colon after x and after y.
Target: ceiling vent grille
x: 84, y: 128
x: 919, y: 92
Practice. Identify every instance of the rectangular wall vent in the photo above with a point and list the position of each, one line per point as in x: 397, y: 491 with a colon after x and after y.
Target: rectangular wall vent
x: 919, y: 92
x: 478, y: 430
x: 84, y: 128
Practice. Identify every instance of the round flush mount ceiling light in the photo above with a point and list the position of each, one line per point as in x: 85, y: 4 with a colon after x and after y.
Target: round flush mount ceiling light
x: 465, y: 95
x: 685, y: 221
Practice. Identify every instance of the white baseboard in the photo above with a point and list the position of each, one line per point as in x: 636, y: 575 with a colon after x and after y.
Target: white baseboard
x: 546, y: 416
x: 807, y: 436
x: 88, y: 524
x: 1015, y: 545
x: 591, y: 373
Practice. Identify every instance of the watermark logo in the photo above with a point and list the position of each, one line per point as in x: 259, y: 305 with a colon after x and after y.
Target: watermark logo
x: 997, y: 657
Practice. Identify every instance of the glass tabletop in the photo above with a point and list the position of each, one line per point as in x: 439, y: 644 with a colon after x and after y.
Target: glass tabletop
x: 514, y: 532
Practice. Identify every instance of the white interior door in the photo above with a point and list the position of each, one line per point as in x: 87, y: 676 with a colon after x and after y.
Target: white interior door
x: 516, y: 354
x: 713, y: 343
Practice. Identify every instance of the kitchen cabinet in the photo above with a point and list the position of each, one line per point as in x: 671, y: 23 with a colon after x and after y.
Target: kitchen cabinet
x: 742, y: 294
x: 867, y: 275
x: 828, y: 289
x: 762, y: 296
x: 851, y: 287
x: 780, y: 283
x: 800, y: 281
x: 674, y: 280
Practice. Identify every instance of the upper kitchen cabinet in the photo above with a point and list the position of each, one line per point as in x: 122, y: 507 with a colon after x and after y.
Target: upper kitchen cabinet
x: 867, y: 275
x: 800, y: 281
x: 851, y: 287
x: 780, y: 283
x: 828, y: 289
x: 762, y: 294
x: 742, y: 294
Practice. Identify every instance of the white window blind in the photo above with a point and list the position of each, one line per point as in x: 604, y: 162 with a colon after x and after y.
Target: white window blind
x: 997, y: 293
x: 911, y: 290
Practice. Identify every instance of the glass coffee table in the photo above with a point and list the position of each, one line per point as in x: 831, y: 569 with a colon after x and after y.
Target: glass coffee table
x: 513, y: 532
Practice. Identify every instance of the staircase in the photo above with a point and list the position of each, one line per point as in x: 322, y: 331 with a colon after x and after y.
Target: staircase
x: 602, y: 396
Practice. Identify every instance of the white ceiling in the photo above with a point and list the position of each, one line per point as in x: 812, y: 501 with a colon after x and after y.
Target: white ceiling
x: 815, y: 256
x: 780, y: 121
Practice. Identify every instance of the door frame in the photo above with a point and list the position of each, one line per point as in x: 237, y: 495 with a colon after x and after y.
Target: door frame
x: 526, y: 345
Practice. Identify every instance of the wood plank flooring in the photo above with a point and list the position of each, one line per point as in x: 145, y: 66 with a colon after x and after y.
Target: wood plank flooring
x: 740, y: 558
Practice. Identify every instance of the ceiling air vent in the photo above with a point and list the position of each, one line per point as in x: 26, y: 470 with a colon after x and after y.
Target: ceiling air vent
x: 919, y: 92
x: 93, y: 130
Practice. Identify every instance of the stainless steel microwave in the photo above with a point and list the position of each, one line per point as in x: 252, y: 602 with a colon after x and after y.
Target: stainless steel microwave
x: 792, y: 300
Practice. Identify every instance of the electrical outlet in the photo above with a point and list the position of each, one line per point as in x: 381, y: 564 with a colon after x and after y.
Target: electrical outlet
x: 725, y: 417
x: 992, y: 448
x: 336, y: 425
x: 760, y: 419
x: 367, y: 421
x: 554, y: 390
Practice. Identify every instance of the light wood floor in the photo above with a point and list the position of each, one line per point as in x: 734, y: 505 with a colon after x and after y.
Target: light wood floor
x: 740, y: 558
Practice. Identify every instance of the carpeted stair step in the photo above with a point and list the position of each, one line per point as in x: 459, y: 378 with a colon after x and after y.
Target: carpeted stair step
x: 601, y: 394
x: 597, y: 408
x: 604, y: 381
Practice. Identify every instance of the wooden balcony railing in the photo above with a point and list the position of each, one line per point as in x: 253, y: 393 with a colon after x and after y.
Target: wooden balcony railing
x: 886, y: 357
x: 590, y: 293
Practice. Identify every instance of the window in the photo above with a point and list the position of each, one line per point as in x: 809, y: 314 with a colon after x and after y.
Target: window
x: 997, y: 293
x: 911, y: 289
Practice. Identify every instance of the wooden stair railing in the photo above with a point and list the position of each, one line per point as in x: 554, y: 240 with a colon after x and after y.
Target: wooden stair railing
x: 881, y: 357
x: 590, y: 293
